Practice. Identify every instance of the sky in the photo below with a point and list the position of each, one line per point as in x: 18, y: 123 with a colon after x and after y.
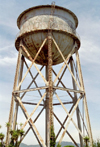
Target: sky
x: 88, y: 13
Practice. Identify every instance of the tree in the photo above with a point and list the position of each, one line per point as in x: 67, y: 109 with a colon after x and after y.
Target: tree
x: 15, y: 141
x: 16, y: 136
x: 21, y: 132
x: 1, y: 138
x: 86, y: 140
x: 7, y: 124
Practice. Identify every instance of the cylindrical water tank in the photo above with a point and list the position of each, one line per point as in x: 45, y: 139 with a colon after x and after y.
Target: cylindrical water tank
x: 34, y: 25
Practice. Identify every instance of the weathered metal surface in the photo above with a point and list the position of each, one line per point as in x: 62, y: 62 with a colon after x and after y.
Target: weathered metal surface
x: 45, y: 10
x: 31, y: 122
x: 12, y: 99
x: 66, y: 63
x: 31, y: 89
x: 34, y: 24
x: 67, y: 89
x: 33, y: 60
x: 70, y: 118
x: 66, y: 130
x: 75, y: 99
x: 84, y: 100
x: 47, y: 113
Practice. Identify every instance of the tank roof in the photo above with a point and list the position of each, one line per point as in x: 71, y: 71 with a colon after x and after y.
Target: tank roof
x: 41, y: 6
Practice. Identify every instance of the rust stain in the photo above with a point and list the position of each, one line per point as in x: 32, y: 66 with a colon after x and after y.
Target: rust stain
x: 25, y: 17
x: 37, y: 44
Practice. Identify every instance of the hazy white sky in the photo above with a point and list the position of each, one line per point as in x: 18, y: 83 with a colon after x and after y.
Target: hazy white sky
x: 88, y: 13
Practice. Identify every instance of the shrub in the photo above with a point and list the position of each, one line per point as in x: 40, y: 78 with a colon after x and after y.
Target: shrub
x: 96, y: 143
x: 58, y: 145
x: 69, y: 146
x: 86, y: 140
x: 15, y: 134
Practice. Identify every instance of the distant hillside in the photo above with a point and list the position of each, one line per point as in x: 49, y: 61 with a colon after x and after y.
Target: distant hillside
x: 62, y: 144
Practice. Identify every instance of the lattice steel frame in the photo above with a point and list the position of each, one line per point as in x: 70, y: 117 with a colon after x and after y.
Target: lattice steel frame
x: 50, y: 89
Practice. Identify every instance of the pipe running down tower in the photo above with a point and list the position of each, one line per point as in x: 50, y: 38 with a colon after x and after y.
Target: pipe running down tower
x: 48, y: 59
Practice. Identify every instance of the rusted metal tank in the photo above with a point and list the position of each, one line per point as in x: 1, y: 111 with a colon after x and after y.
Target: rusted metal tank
x: 34, y: 24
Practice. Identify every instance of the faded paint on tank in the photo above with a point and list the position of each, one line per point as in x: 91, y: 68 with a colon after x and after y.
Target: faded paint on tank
x: 34, y: 24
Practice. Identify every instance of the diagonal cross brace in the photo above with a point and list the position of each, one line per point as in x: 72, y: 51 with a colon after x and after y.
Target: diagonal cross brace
x: 32, y: 82
x: 30, y: 120
x: 70, y: 116
x: 34, y: 122
x: 70, y: 119
x: 66, y: 64
x: 64, y: 121
x: 33, y: 78
x: 62, y: 126
x: 33, y: 62
x: 70, y: 54
x: 62, y: 83
x: 33, y: 110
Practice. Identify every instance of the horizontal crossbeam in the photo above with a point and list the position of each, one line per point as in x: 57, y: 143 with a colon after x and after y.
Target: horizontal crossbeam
x: 31, y: 89
x: 68, y: 89
x: 43, y: 104
x: 63, y: 103
x: 32, y: 103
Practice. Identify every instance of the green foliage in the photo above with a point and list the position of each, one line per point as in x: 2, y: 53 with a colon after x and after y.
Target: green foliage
x: 58, y: 145
x: 7, y: 124
x: 11, y: 132
x: 21, y: 132
x: 96, y: 143
x: 2, y: 136
x: 15, y: 134
x: 0, y: 144
x: 69, y: 146
x: 86, y: 140
x: 11, y: 143
x: 52, y: 137
x: 14, y: 137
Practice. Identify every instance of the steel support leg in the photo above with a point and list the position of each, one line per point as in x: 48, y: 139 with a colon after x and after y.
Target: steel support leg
x: 16, y: 107
x: 85, y: 101
x: 75, y: 98
x: 12, y: 100
x: 50, y: 78
x: 47, y: 115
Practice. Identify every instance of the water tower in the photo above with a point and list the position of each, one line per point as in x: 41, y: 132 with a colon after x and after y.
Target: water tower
x: 48, y: 43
